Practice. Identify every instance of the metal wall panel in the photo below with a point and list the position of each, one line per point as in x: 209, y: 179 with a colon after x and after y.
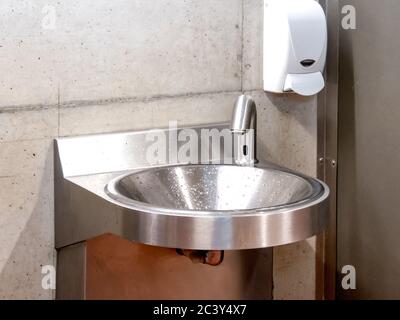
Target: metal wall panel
x: 327, y: 154
x: 369, y: 151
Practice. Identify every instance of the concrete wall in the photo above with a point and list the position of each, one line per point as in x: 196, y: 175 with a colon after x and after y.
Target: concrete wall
x: 117, y: 65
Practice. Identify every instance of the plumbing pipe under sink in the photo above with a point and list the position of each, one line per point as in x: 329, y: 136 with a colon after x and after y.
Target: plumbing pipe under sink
x: 210, y: 257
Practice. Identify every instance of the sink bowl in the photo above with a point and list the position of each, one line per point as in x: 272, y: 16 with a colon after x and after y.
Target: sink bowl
x: 221, y: 206
x: 212, y: 188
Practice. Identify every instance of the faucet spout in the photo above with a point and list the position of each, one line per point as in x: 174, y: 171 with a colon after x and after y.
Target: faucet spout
x: 244, y: 114
x: 244, y: 127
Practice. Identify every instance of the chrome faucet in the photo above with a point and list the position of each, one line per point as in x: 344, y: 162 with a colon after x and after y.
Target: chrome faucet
x: 244, y: 129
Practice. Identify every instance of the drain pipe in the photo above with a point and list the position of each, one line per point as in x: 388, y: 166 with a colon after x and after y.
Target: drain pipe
x: 210, y: 257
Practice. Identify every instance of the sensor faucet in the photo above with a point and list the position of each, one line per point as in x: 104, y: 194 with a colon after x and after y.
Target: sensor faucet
x: 244, y: 128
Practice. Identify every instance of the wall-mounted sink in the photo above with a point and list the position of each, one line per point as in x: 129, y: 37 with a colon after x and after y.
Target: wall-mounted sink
x: 104, y: 185
x: 212, y: 189
x: 221, y: 206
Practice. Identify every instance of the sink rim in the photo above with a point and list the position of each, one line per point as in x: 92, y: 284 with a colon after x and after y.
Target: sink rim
x: 318, y: 196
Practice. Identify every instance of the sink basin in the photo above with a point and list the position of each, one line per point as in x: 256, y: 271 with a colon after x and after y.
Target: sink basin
x: 196, y: 189
x: 221, y: 206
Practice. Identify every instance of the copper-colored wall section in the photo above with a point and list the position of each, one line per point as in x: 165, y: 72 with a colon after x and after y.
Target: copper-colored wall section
x: 120, y: 269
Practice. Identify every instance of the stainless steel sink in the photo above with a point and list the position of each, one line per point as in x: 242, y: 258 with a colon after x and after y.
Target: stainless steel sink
x: 104, y: 185
x: 221, y: 206
x: 212, y: 189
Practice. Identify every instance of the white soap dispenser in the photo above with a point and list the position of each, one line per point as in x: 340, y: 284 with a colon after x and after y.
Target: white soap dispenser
x: 295, y: 41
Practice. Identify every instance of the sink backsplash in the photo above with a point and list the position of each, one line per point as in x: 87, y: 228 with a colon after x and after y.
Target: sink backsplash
x: 91, y: 154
